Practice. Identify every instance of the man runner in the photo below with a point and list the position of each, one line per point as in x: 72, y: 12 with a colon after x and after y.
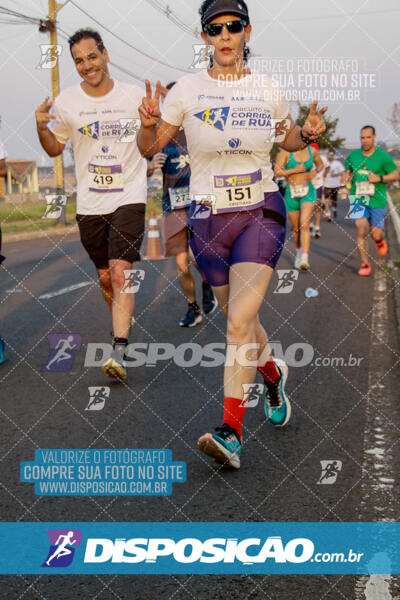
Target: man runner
x: 175, y: 165
x: 333, y: 171
x: 110, y: 172
x: 370, y: 169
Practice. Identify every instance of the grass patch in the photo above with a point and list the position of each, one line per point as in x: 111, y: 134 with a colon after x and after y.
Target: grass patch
x: 19, y: 218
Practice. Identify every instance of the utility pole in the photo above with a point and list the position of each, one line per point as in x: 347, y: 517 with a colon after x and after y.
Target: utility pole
x: 50, y: 26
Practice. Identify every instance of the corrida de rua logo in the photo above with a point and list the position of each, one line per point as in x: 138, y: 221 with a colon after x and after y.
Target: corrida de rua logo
x: 216, y: 117
x: 241, y: 118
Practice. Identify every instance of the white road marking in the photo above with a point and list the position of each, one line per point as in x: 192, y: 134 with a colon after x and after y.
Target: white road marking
x: 375, y: 493
x: 65, y: 290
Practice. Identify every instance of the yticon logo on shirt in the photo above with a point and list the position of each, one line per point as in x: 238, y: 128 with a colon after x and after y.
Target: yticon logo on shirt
x: 91, y: 130
x: 216, y: 117
x: 63, y: 543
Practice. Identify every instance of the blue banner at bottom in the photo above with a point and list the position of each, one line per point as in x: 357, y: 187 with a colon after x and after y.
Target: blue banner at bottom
x: 200, y: 548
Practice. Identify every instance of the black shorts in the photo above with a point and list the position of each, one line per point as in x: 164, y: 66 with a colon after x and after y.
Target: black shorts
x: 331, y: 193
x: 117, y: 235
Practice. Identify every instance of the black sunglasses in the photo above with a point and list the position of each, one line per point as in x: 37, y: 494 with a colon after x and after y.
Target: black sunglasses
x: 213, y: 29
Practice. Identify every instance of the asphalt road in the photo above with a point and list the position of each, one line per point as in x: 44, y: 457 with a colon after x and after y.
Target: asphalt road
x: 339, y: 412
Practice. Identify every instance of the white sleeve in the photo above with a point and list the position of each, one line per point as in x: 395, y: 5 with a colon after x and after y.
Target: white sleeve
x: 172, y: 111
x: 59, y: 127
x: 3, y: 153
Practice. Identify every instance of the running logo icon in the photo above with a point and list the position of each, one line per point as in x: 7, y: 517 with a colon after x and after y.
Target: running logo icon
x: 182, y: 161
x: 63, y: 543
x: 50, y: 54
x: 54, y: 206
x: 98, y: 397
x: 91, y: 130
x: 133, y: 279
x: 252, y: 394
x: 216, y: 117
x: 357, y: 208
x: 62, y: 349
x: 204, y: 205
x: 202, y: 55
x: 330, y: 470
x: 129, y: 129
x: 287, y: 279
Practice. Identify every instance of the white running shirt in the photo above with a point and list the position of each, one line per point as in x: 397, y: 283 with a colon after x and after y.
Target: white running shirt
x: 109, y: 169
x: 318, y: 180
x: 332, y: 177
x: 227, y: 126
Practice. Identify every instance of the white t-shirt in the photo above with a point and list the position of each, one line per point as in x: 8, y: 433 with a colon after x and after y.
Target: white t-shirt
x: 3, y: 153
x: 332, y: 177
x: 110, y: 171
x: 227, y: 126
x: 318, y: 180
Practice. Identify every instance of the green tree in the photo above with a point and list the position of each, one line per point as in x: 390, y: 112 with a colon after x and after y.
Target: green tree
x: 327, y: 140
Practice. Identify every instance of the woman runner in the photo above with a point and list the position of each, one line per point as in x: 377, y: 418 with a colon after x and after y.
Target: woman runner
x: 300, y: 196
x: 237, y: 215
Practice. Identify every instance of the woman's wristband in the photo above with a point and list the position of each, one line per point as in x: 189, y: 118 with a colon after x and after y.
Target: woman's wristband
x: 304, y: 138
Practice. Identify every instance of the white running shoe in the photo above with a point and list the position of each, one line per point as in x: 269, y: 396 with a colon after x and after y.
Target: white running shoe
x: 297, y: 260
x: 304, y: 264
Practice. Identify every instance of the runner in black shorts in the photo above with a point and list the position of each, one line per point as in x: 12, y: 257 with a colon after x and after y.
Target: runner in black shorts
x: 100, y: 116
x: 237, y: 213
x: 333, y: 173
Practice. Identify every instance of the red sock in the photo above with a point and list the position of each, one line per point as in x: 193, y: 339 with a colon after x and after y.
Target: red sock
x: 234, y: 414
x: 270, y: 371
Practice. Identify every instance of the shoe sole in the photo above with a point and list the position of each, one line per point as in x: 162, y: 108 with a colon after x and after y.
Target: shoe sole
x: 113, y: 370
x: 214, y: 308
x: 304, y: 267
x: 197, y: 321
x: 285, y: 372
x: 208, y: 445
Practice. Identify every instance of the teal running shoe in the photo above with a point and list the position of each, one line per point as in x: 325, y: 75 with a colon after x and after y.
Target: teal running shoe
x: 276, y: 405
x: 223, y: 446
x: 1, y: 351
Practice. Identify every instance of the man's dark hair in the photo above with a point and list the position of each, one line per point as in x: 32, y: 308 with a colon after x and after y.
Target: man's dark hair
x: 170, y: 85
x: 369, y: 127
x: 86, y: 34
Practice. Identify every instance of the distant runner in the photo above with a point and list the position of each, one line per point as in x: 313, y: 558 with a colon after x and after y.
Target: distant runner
x: 334, y: 170
x: 369, y: 169
x: 300, y: 196
x: 175, y: 165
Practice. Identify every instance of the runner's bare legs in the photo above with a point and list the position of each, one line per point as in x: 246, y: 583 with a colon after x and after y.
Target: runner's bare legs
x: 248, y: 284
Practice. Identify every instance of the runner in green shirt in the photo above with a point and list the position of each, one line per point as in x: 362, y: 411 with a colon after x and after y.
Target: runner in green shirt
x: 369, y: 169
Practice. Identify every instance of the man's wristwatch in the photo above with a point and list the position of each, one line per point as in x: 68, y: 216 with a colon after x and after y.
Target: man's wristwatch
x: 381, y: 178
